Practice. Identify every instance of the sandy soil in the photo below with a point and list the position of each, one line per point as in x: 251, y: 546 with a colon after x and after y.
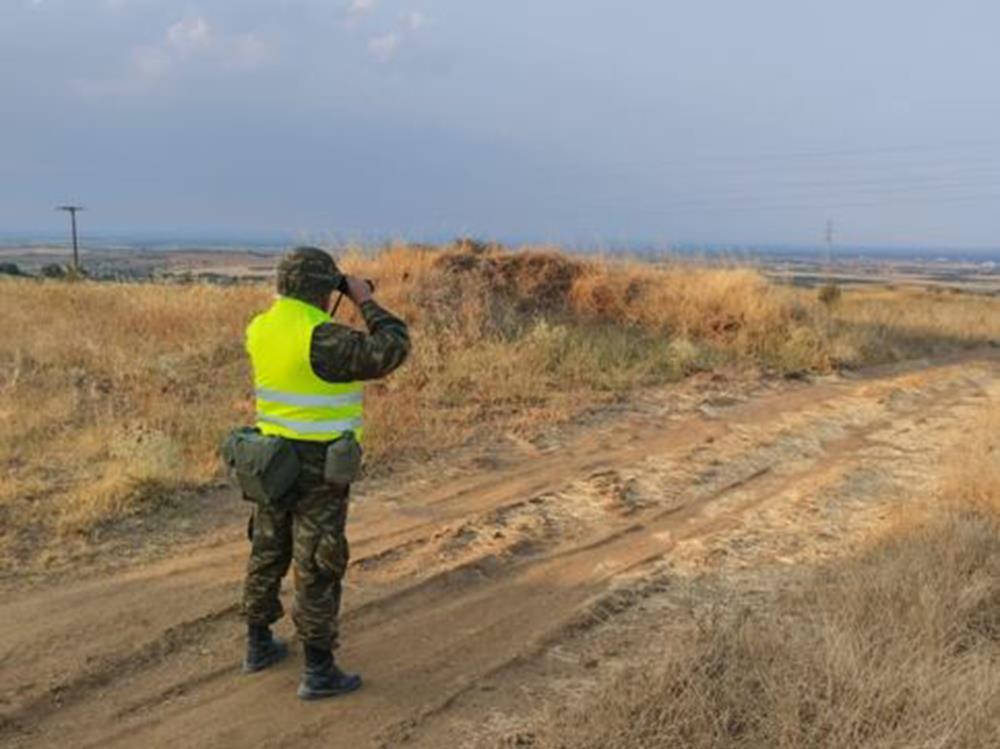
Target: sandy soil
x: 474, y: 599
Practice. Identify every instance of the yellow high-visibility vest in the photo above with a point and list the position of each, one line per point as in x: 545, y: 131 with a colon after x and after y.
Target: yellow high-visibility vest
x: 292, y: 401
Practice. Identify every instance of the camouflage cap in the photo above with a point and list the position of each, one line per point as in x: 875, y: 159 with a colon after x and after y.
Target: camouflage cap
x: 307, y: 273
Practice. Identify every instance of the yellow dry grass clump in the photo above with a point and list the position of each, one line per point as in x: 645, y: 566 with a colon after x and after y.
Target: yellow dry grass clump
x: 114, y: 396
x: 877, y: 325
x: 899, y: 648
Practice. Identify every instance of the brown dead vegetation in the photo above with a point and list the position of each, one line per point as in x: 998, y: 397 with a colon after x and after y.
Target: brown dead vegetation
x: 114, y: 396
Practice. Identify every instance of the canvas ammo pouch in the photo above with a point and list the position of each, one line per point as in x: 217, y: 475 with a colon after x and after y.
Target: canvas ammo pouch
x: 343, y: 460
x: 265, y: 467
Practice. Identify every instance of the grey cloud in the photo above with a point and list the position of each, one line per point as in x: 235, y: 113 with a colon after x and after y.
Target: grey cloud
x: 359, y: 7
x: 383, y: 47
x: 414, y: 20
x: 187, y: 43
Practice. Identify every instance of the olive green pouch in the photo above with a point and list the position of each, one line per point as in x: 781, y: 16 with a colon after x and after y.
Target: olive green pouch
x: 343, y: 460
x: 265, y: 467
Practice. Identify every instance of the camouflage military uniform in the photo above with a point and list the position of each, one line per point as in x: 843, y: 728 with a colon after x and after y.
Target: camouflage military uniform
x: 311, y: 533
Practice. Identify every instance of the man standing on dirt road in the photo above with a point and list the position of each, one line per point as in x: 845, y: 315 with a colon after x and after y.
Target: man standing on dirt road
x: 308, y: 373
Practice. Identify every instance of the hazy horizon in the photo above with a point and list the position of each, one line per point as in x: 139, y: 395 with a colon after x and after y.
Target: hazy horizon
x: 171, y: 241
x: 585, y: 124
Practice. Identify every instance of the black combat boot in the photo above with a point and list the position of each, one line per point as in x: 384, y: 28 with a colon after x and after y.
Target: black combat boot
x: 322, y: 678
x: 263, y: 649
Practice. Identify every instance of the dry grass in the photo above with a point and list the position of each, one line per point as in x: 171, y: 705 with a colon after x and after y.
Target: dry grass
x: 881, y: 325
x: 897, y: 649
x: 973, y: 473
x: 115, y: 396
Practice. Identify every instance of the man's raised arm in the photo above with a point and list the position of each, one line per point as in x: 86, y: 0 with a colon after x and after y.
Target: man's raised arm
x: 341, y: 354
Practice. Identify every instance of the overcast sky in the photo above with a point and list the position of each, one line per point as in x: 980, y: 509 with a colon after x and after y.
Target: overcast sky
x: 553, y: 120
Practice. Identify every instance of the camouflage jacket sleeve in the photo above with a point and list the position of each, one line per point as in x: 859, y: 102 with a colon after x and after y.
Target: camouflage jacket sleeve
x: 341, y: 354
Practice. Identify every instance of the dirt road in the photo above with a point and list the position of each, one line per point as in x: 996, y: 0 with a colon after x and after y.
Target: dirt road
x: 454, y: 585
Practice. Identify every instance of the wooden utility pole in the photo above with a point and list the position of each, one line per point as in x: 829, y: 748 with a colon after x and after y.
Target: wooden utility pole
x: 72, y: 211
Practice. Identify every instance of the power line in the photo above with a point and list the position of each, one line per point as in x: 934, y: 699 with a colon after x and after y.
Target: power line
x: 975, y: 150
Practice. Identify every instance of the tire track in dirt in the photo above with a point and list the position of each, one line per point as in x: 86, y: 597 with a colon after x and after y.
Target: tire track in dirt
x: 503, y: 703
x: 425, y: 636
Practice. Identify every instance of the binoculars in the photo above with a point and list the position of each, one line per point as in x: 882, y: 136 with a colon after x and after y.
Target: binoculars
x: 342, y: 285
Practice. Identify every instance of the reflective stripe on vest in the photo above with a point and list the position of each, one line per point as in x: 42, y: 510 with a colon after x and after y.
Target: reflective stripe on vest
x: 312, y: 427
x: 292, y: 401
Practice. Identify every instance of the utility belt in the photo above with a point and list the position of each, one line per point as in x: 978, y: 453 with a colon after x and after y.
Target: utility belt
x: 266, y: 467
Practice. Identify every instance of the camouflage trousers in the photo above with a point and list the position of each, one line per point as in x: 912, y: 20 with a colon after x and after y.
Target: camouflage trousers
x: 310, y: 533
